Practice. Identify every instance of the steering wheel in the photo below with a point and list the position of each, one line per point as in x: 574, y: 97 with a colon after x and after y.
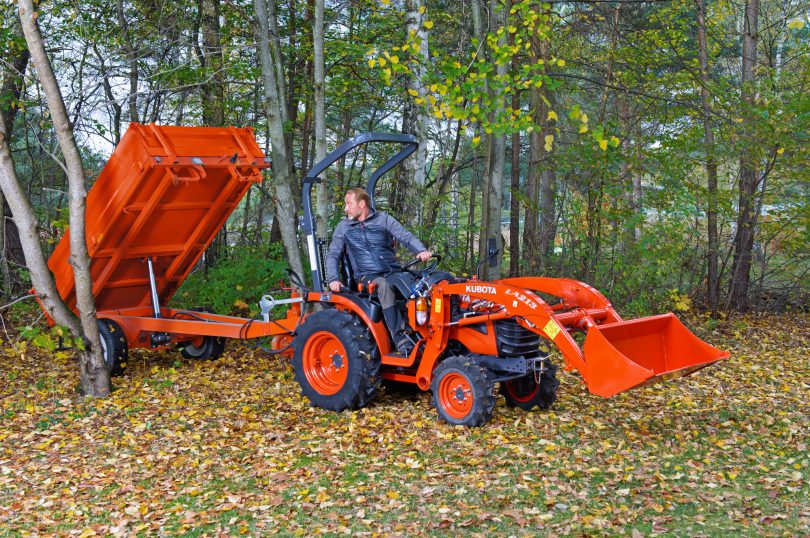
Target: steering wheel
x: 429, y: 268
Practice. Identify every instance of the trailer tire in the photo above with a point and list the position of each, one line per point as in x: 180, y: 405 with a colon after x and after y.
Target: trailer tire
x: 462, y: 392
x: 209, y: 348
x: 114, y: 347
x: 336, y: 362
x: 526, y: 393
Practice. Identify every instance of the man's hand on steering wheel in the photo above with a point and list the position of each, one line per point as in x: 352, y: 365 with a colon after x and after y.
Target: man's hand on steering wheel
x: 425, y: 255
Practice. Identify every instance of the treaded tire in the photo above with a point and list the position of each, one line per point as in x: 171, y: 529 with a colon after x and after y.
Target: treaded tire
x: 462, y: 393
x: 527, y: 394
x: 335, y: 361
x: 210, y: 349
x: 114, y: 346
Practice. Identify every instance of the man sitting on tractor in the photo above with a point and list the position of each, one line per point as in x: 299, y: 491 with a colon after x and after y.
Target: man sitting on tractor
x: 368, y: 237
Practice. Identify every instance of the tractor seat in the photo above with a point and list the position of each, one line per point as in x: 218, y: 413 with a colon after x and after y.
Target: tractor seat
x: 401, y: 282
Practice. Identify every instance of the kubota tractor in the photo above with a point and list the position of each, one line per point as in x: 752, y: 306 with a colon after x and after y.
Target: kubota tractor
x: 472, y: 336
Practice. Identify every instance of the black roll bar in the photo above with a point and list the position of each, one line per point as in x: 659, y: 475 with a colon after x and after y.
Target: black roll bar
x: 308, y: 224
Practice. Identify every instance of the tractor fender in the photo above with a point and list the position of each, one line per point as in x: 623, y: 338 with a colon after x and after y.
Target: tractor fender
x: 370, y: 313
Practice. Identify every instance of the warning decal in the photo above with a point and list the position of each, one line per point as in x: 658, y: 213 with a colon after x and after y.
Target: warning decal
x: 551, y: 329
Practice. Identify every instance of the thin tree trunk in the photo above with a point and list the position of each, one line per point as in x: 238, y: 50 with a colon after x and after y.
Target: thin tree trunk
x: 212, y: 90
x: 95, y: 379
x: 132, y: 57
x: 323, y: 193
x: 712, y: 277
x: 414, y: 120
x: 285, y: 214
x: 13, y: 83
x: 746, y: 220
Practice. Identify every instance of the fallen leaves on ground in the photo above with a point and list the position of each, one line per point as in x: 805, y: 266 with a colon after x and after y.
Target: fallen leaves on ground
x: 230, y: 446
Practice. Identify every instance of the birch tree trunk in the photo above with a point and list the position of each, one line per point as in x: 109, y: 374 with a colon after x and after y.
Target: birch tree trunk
x: 747, y: 219
x: 274, y: 105
x: 95, y: 379
x: 712, y: 277
x: 319, y: 83
x: 414, y: 119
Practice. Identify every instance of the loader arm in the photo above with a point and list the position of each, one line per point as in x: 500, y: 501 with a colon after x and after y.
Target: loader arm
x: 617, y: 355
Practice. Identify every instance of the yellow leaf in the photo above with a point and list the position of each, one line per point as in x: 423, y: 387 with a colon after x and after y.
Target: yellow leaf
x: 421, y: 10
x: 780, y: 151
x: 394, y: 59
x: 552, y: 116
x: 561, y: 63
x: 476, y: 140
x: 584, y: 118
x: 419, y: 100
x: 583, y: 129
x: 614, y: 141
x: 392, y: 494
x: 372, y: 62
x: 428, y: 24
x: 549, y: 142
x: 382, y: 62
x: 796, y: 24
x: 603, y: 144
x: 413, y: 92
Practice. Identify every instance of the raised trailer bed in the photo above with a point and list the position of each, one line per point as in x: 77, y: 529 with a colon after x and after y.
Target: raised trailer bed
x: 157, y: 205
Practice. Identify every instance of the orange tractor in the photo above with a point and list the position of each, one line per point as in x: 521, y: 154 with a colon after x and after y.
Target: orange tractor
x: 165, y: 193
x: 471, y: 335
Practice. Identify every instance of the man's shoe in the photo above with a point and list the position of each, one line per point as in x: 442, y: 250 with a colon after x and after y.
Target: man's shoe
x: 404, y: 344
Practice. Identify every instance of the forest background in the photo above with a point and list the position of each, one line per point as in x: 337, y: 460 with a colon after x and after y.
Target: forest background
x: 656, y: 150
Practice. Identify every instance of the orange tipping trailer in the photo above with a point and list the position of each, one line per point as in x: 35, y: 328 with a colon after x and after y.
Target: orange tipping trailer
x: 156, y: 206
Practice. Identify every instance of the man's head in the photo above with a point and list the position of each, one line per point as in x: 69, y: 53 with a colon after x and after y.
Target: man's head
x: 357, y: 204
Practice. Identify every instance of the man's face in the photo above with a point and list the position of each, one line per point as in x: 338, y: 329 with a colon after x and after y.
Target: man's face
x: 353, y: 208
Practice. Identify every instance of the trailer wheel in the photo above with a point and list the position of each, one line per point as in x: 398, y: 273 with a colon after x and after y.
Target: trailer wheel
x: 335, y: 361
x: 204, y: 348
x: 462, y: 393
x: 114, y: 347
x: 526, y: 393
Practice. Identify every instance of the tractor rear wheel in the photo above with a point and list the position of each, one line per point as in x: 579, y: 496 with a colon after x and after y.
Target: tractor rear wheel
x: 526, y: 392
x: 462, y: 393
x: 335, y: 361
x: 114, y: 347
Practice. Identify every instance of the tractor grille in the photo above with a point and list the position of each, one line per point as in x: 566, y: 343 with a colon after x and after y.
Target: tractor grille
x: 514, y: 340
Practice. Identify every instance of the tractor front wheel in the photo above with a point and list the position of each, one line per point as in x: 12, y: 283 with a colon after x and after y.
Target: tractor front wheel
x: 336, y: 361
x: 526, y: 392
x: 462, y: 393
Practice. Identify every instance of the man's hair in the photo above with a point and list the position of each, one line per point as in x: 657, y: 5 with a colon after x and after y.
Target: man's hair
x: 360, y: 195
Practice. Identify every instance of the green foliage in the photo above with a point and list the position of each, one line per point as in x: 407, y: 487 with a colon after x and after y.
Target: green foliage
x: 237, y: 282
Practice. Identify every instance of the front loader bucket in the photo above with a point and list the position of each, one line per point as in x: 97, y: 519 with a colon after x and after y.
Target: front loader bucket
x: 627, y: 354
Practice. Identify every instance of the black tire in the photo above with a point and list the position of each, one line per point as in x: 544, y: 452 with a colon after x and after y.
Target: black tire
x: 114, y: 347
x: 336, y: 362
x: 210, y: 348
x: 462, y: 393
x: 527, y: 394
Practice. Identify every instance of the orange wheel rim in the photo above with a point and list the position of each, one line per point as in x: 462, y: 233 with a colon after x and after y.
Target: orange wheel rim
x: 456, y: 395
x: 325, y: 363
